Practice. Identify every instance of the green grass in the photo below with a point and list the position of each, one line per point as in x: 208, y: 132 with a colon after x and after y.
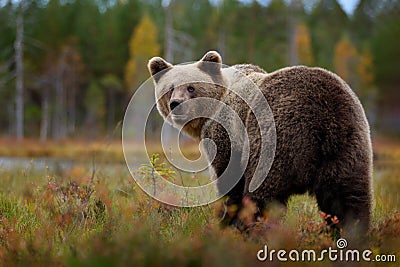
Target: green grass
x: 77, y: 218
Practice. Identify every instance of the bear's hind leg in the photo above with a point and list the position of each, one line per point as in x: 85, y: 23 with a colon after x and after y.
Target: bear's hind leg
x: 348, y: 198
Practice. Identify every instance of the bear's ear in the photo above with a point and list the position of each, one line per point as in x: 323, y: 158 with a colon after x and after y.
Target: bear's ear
x: 157, y: 64
x: 211, y: 62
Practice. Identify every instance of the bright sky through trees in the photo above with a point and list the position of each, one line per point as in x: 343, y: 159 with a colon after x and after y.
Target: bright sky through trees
x: 348, y: 5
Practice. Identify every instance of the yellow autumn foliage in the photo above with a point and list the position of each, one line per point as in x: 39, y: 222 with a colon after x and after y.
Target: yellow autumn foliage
x: 345, y: 58
x: 142, y: 46
x: 303, y: 44
x: 365, y: 68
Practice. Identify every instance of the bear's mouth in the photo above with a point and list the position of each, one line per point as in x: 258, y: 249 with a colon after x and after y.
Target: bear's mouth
x: 179, y: 118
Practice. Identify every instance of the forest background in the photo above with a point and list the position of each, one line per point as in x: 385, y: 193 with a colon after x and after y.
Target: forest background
x: 69, y: 68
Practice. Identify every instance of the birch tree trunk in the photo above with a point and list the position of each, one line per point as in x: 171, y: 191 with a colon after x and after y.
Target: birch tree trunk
x: 19, y: 83
x: 221, y: 42
x: 44, y: 125
x: 59, y: 118
x: 168, y: 50
x: 71, y: 99
x: 111, y: 109
x: 168, y: 44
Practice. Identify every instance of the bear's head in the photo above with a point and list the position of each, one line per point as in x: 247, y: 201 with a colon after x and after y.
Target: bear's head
x: 176, y: 84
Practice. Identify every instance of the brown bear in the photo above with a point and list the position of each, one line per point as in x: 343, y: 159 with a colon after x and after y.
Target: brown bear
x: 323, y: 143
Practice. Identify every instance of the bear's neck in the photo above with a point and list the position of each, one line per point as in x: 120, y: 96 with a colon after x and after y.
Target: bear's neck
x: 194, y: 128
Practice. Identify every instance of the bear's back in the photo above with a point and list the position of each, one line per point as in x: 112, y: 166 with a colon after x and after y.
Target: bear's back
x: 313, y: 99
x: 317, y: 117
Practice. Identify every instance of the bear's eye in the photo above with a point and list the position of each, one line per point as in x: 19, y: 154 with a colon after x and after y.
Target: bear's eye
x: 171, y: 89
x: 190, y: 89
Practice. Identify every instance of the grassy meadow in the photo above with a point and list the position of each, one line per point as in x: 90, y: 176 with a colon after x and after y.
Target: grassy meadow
x: 87, y: 215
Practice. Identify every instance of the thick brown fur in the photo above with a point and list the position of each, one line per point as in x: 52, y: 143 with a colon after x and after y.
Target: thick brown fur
x: 323, y: 139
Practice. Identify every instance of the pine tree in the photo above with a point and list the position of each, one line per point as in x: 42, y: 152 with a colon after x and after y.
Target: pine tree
x: 327, y: 23
x: 95, y: 107
x: 112, y: 86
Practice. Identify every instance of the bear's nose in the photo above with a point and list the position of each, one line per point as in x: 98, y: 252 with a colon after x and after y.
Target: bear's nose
x: 174, y: 103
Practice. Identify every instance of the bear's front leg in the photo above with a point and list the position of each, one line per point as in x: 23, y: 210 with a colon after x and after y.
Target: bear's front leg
x: 231, y: 206
x: 227, y: 174
x: 228, y: 170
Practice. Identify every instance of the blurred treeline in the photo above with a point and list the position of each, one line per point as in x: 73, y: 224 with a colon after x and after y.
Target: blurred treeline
x: 68, y: 68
